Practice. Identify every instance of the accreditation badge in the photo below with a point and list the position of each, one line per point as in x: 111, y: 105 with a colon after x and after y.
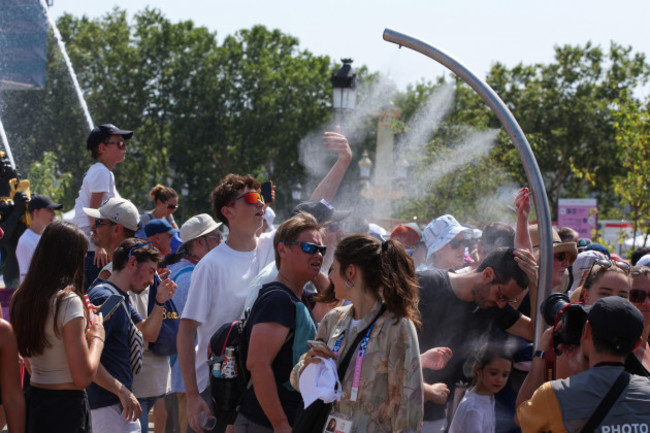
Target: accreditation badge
x: 338, y: 423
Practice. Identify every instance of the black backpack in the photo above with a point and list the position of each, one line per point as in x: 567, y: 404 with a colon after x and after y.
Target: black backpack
x: 228, y: 393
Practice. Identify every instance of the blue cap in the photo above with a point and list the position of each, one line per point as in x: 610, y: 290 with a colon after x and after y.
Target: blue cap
x: 598, y: 247
x: 156, y: 226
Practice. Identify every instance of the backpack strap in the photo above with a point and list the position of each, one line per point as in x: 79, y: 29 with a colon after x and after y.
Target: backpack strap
x: 597, y: 417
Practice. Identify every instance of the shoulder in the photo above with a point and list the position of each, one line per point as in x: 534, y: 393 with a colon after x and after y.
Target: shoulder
x: 99, y: 292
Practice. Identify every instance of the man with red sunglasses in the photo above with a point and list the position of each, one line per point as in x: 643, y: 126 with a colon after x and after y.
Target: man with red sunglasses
x: 107, y: 144
x: 220, y: 280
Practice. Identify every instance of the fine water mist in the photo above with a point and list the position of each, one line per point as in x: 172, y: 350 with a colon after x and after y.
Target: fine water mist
x: 68, y: 63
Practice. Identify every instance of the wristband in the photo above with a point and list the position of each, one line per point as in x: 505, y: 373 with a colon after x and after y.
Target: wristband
x: 160, y: 304
x: 539, y: 354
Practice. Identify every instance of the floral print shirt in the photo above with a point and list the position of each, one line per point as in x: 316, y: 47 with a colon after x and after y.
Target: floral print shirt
x: 390, y: 395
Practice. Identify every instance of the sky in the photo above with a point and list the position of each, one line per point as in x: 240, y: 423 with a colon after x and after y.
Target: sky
x: 477, y: 33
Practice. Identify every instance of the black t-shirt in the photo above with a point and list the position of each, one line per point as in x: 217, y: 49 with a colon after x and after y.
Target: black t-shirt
x: 450, y: 322
x: 277, y: 307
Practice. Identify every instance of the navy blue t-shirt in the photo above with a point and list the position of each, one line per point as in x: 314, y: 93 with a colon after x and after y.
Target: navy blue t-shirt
x: 115, y: 356
x: 278, y: 307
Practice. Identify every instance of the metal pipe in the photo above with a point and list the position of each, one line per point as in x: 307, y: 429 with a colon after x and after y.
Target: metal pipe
x: 526, y: 155
x: 5, y: 143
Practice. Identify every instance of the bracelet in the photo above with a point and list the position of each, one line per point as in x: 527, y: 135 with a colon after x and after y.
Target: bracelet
x: 160, y: 304
x: 97, y: 337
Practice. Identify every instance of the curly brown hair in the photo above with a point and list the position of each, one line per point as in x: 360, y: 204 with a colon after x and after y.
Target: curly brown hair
x: 227, y: 191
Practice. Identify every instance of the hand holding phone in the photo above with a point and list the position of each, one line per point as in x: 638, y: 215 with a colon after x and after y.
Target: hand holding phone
x: 110, y: 305
x: 267, y: 192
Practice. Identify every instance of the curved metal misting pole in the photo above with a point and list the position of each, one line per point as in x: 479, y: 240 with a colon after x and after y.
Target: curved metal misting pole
x: 521, y: 144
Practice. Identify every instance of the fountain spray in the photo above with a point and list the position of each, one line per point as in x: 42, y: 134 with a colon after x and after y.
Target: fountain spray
x: 66, y: 58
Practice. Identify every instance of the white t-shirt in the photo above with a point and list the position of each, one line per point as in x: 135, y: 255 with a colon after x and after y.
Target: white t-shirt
x: 25, y: 250
x: 154, y: 378
x: 98, y: 178
x: 218, y: 291
x: 475, y: 414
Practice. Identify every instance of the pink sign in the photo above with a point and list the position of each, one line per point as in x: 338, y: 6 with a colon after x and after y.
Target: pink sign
x: 578, y: 213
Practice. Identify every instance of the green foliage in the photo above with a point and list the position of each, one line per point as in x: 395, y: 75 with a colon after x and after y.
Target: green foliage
x: 46, y: 178
x: 632, y: 127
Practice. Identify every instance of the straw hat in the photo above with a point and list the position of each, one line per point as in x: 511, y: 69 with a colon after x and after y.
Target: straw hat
x: 558, y: 246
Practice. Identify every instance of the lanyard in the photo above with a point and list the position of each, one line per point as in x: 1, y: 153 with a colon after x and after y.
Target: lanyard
x: 357, y: 366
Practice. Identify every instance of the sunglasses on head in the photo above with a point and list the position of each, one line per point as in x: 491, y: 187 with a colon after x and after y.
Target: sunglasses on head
x: 638, y: 296
x: 99, y: 223
x: 121, y: 144
x: 308, y: 247
x: 455, y: 243
x: 135, y: 247
x: 606, y: 264
x: 250, y: 198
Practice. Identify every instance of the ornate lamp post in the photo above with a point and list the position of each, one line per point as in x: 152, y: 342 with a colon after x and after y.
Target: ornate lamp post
x: 344, y: 89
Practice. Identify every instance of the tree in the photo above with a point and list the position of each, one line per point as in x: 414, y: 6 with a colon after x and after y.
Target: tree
x: 632, y: 128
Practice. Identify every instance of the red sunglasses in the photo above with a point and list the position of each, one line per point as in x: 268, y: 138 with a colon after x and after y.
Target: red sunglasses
x: 250, y: 198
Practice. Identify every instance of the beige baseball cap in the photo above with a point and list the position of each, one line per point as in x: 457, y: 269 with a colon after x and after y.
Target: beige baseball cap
x: 197, y: 226
x: 118, y: 210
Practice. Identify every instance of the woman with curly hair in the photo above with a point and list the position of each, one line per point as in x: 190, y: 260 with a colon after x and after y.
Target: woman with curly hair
x: 378, y: 278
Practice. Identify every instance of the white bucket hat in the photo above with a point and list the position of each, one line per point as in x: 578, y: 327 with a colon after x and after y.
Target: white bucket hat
x: 197, y: 226
x: 441, y: 231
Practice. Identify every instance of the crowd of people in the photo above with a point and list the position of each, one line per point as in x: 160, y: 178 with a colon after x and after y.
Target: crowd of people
x: 428, y: 328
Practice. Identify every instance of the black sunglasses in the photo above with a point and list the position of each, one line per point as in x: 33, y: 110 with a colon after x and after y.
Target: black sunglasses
x: 606, y: 264
x: 308, y: 247
x: 455, y: 243
x: 121, y: 144
x: 171, y: 206
x: 638, y: 296
x: 99, y: 223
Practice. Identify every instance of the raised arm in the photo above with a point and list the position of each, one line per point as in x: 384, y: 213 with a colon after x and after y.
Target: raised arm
x: 522, y: 207
x: 335, y: 142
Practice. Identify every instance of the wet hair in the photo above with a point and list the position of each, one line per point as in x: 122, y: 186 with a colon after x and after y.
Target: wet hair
x: 227, y: 191
x: 387, y: 271
x: 505, y: 267
x: 292, y: 228
x: 637, y: 254
x: 144, y: 253
x: 162, y: 193
x: 488, y: 353
x: 497, y: 235
x: 50, y: 273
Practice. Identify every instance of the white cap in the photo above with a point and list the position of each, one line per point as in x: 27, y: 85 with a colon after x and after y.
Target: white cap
x: 197, y: 226
x: 119, y: 210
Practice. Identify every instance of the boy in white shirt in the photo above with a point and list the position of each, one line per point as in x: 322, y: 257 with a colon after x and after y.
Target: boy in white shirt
x: 41, y: 208
x: 107, y: 144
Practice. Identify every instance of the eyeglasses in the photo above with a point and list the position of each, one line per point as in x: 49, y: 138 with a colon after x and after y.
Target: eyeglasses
x: 308, y: 247
x: 121, y: 144
x: 638, y: 296
x: 501, y: 298
x: 214, y: 238
x: 135, y: 247
x: 250, y: 198
x: 457, y: 243
x: 99, y: 223
x: 171, y: 206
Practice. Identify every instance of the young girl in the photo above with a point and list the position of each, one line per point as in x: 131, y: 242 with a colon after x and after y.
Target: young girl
x: 475, y: 412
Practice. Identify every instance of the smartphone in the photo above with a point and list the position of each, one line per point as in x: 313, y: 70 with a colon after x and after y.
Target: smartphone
x: 110, y: 305
x: 165, y: 274
x: 267, y: 189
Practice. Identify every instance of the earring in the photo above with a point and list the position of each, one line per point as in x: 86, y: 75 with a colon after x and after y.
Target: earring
x: 349, y: 284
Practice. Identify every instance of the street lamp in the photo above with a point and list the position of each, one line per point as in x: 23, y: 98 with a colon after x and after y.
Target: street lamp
x: 296, y: 191
x: 344, y: 87
x: 364, y: 167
